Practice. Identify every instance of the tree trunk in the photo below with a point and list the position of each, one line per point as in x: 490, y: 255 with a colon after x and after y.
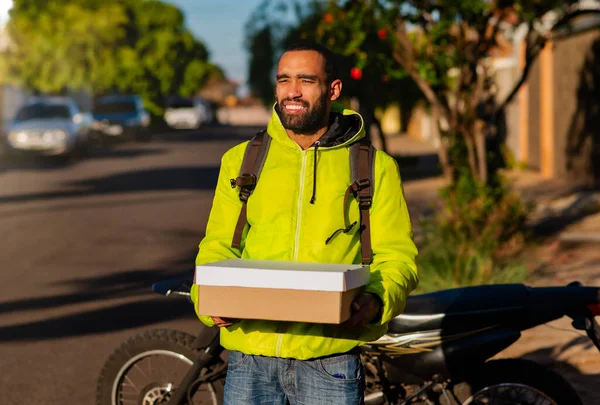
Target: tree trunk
x: 379, y: 131
x: 405, y: 116
x: 479, y: 134
x: 443, y: 150
x: 447, y: 168
x: 471, y: 154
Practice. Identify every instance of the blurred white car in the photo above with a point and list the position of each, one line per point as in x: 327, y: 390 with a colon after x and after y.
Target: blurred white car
x: 183, y: 113
x: 50, y: 126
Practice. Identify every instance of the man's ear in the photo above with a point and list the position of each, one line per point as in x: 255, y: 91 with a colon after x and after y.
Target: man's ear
x: 335, y: 89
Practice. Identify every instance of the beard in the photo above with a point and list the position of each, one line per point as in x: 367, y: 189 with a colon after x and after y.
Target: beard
x: 309, y: 122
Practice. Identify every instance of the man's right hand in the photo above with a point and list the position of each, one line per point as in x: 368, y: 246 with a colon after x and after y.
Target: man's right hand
x: 224, y: 322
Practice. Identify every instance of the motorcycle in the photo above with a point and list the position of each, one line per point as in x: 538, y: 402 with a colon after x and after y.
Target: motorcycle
x: 438, y: 352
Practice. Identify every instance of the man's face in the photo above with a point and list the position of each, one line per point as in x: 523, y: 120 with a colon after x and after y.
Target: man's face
x: 303, y: 94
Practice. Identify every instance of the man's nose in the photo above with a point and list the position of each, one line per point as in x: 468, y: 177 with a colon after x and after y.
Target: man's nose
x: 294, y: 90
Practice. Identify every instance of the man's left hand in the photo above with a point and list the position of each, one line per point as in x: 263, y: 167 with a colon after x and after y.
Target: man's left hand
x: 365, y: 308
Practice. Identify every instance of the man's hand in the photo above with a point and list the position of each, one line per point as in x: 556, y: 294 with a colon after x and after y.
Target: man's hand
x: 365, y: 308
x: 224, y: 322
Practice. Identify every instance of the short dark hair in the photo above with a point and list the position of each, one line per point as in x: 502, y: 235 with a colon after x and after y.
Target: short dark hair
x: 331, y: 71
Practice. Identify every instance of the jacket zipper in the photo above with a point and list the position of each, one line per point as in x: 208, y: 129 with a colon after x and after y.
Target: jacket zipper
x: 300, y: 196
x: 297, y: 239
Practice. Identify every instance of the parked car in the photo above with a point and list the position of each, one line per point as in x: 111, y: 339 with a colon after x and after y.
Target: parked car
x: 186, y: 113
x: 122, y: 116
x: 52, y: 126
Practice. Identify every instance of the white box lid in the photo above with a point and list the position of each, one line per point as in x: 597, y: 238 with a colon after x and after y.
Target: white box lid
x: 282, y: 274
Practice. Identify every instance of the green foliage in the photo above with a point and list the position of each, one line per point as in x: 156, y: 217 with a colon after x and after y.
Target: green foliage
x: 474, y: 238
x: 444, y: 269
x: 64, y: 47
x: 133, y: 46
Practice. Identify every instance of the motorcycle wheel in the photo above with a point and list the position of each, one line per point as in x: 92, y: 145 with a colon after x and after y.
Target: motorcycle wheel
x: 146, y: 369
x: 518, y: 381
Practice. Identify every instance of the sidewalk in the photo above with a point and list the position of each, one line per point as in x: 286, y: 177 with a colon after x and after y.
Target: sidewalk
x: 559, y: 204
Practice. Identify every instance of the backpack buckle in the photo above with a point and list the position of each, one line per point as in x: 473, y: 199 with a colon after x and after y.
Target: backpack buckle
x: 364, y: 201
x: 245, y: 194
x: 244, y: 181
x: 361, y: 185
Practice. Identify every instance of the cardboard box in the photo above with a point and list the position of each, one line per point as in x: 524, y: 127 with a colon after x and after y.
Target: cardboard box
x: 279, y: 290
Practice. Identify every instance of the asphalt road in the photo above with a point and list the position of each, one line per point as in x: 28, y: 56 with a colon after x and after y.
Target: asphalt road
x: 81, y: 245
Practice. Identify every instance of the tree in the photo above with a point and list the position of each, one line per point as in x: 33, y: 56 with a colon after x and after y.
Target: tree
x: 64, y: 46
x: 136, y: 46
x: 159, y: 57
x: 444, y: 47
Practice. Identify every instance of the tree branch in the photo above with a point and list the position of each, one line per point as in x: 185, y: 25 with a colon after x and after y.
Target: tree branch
x: 531, y: 54
x: 422, y: 84
x: 486, y: 41
x: 405, y: 43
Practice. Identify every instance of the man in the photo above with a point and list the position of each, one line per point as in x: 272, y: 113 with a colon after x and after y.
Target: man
x: 297, y: 206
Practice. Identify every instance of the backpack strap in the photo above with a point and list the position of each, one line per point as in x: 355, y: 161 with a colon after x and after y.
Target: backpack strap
x: 362, y: 159
x: 254, y: 160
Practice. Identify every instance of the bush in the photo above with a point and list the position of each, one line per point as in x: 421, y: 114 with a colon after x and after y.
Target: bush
x: 474, y: 238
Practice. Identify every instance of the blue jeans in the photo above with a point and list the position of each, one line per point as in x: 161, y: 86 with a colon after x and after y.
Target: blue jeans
x: 332, y: 380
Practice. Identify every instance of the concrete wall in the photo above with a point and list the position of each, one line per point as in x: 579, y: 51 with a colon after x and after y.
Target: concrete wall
x: 576, y: 63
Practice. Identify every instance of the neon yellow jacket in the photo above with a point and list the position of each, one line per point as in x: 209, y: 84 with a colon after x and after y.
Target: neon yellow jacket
x: 284, y: 225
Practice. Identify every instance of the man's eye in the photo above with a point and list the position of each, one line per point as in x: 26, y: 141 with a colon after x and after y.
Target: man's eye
x: 307, y: 81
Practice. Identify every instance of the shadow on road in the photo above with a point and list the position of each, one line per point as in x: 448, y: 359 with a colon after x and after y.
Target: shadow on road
x: 107, y: 319
x: 86, y: 205
x: 48, y: 163
x: 147, y: 308
x: 582, y: 204
x: 119, y: 153
x: 586, y: 385
x: 160, y: 179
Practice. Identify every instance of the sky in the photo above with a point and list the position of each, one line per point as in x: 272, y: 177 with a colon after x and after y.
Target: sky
x: 220, y: 25
x: 5, y: 5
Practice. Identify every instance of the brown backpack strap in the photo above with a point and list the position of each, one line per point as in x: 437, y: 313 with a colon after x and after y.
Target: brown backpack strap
x: 254, y: 159
x: 362, y: 155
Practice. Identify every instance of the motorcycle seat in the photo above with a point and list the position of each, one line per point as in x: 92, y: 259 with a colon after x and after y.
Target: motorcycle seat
x: 459, y: 308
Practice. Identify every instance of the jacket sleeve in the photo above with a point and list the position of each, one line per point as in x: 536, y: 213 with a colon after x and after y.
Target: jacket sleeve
x: 393, y: 270
x: 222, y: 220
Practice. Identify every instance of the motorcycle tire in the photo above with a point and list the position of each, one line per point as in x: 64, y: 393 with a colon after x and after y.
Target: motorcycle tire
x: 148, y: 366
x: 521, y: 381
